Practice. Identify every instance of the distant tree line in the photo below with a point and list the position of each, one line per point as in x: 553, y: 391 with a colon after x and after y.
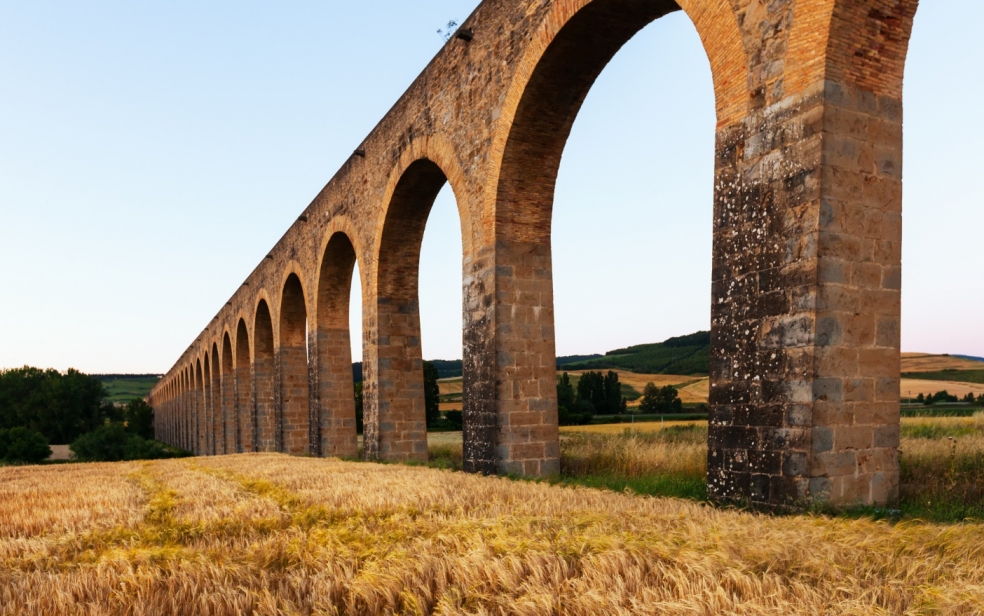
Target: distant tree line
x: 596, y: 394
x: 38, y: 407
x: 660, y: 400
x: 945, y: 396
x: 62, y: 407
x: 681, y: 355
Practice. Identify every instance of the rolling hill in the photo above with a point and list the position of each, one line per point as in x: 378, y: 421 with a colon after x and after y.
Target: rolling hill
x: 121, y: 388
x: 681, y: 355
x: 949, y: 368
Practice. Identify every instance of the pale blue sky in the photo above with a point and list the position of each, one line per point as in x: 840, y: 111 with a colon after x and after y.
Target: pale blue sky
x: 152, y: 153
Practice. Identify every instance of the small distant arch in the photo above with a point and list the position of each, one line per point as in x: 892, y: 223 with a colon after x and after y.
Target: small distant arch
x: 335, y: 421
x: 245, y: 412
x: 294, y: 409
x: 263, y: 376
x: 216, y: 429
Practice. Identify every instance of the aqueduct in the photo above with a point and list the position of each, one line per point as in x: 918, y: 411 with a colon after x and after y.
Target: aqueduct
x: 806, y: 264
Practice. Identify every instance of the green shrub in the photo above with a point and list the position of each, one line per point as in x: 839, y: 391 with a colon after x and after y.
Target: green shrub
x: 137, y: 448
x: 103, y: 444
x: 139, y: 418
x: 112, y: 443
x: 22, y: 445
x: 660, y: 399
x: 455, y: 419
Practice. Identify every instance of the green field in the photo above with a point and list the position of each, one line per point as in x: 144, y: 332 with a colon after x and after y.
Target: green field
x: 681, y: 355
x: 121, y: 388
x: 960, y: 376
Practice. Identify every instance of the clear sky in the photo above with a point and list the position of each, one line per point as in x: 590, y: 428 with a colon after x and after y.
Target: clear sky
x: 152, y: 153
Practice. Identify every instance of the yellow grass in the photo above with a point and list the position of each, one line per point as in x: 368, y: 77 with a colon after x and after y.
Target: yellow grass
x: 911, y: 388
x: 696, y: 392
x: 692, y: 393
x: 450, y: 385
x: 655, y: 426
x: 639, y: 426
x: 270, y: 534
x: 924, y: 362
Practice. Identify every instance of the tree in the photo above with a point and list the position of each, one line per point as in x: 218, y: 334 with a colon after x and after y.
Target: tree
x: 22, y: 445
x: 139, y: 418
x: 565, y: 392
x: 660, y: 399
x: 432, y: 394
x: 103, y: 444
x: 603, y: 391
x: 59, y: 406
x: 614, y: 402
x: 455, y: 419
x: 113, y: 442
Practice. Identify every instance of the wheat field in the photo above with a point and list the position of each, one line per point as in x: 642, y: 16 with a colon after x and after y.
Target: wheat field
x: 926, y: 362
x: 910, y: 388
x: 271, y: 534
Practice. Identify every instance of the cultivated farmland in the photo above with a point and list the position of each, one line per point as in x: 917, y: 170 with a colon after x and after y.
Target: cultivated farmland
x: 271, y: 534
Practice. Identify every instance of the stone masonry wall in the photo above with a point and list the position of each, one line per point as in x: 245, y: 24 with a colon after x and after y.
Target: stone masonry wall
x: 806, y: 265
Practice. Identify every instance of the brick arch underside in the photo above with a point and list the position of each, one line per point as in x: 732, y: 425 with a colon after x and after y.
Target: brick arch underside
x: 266, y: 437
x: 575, y: 44
x: 393, y: 391
x: 335, y: 403
x: 293, y: 388
x: 227, y: 385
x: 245, y: 416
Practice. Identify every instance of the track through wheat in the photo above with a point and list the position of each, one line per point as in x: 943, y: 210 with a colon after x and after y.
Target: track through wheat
x: 270, y: 534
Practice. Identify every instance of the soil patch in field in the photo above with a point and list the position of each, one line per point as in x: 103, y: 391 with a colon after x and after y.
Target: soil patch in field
x: 61, y: 452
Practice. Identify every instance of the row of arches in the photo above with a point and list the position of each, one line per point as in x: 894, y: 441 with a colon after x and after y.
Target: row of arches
x: 803, y: 198
x: 299, y: 382
x: 266, y: 386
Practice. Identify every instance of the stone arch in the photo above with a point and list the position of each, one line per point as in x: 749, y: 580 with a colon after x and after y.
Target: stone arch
x: 215, y: 402
x: 335, y: 421
x: 437, y: 150
x: 859, y: 44
x: 208, y: 409
x: 550, y: 62
x: 198, y: 429
x: 395, y: 418
x: 185, y: 408
x: 228, y: 399
x: 294, y: 390
x: 807, y: 172
x: 244, y: 408
x: 177, y: 422
x: 573, y: 45
x: 174, y: 422
x: 263, y: 378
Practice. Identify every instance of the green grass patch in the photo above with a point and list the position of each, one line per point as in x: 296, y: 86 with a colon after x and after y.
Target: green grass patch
x: 936, y: 432
x: 960, y: 376
x: 122, y: 388
x: 682, y: 355
x: 671, y: 486
x: 940, y: 411
x: 629, y: 392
